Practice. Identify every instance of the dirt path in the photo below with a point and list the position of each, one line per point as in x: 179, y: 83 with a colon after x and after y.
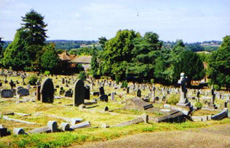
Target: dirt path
x: 211, y: 137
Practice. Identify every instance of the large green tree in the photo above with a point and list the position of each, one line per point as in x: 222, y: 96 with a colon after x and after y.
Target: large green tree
x: 117, y: 53
x: 144, y: 55
x: 219, y: 64
x: 28, y: 42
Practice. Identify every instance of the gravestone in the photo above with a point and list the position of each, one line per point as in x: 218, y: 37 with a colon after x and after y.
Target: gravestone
x: 112, y: 96
x: 104, y: 98
x: 69, y: 93
x: 138, y: 93
x: 153, y: 94
x: 23, y: 92
x: 47, y: 91
x: 127, y: 90
x: 3, y: 132
x: 87, y: 92
x: 101, y: 91
x: 183, y: 91
x: 7, y: 93
x: 79, y: 93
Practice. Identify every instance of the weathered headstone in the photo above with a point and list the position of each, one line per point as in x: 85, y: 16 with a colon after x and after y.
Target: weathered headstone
x: 7, y: 93
x: 23, y: 92
x: 47, y: 91
x: 79, y: 93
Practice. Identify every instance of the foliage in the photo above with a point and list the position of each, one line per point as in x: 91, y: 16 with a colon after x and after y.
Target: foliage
x: 117, y: 53
x: 27, y: 44
x: 94, y: 63
x: 82, y: 76
x: 124, y: 84
x: 198, y: 105
x: 144, y: 55
x: 47, y: 73
x: 49, y: 59
x: 32, y: 80
x: 173, y: 99
x: 219, y: 64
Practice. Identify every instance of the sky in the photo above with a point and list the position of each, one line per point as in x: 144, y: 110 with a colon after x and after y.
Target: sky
x: 189, y: 20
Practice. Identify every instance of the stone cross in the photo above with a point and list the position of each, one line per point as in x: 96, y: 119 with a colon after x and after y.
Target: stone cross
x: 183, y: 91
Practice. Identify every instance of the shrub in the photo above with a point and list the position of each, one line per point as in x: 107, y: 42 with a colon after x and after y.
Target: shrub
x: 32, y: 80
x: 198, y: 105
x: 152, y: 81
x: 124, y: 84
x: 47, y: 73
x: 173, y: 99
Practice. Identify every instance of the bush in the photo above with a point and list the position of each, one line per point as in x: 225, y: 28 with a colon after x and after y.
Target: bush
x: 124, y: 84
x: 198, y: 105
x: 152, y: 81
x: 47, y: 73
x: 173, y: 99
x: 32, y: 80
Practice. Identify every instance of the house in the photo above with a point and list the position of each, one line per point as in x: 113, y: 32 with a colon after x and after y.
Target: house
x: 71, y: 61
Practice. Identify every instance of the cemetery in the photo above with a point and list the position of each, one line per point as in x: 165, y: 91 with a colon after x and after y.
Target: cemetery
x: 95, y: 109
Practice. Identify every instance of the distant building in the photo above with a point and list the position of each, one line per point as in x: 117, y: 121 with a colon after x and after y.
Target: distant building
x: 72, y: 60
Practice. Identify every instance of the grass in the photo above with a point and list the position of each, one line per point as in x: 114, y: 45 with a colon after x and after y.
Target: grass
x: 96, y: 134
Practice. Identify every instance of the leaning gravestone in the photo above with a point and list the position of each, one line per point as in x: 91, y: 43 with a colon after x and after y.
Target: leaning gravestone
x: 7, y: 93
x: 47, y: 91
x: 79, y: 93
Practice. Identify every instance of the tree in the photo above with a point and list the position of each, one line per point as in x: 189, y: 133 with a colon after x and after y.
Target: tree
x: 49, y: 59
x: 1, y: 50
x: 118, y: 52
x: 102, y: 41
x: 15, y: 54
x: 29, y: 40
x: 94, y: 63
x: 219, y: 64
x: 144, y: 54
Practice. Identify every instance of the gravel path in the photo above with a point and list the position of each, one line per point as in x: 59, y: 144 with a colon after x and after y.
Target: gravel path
x: 211, y: 137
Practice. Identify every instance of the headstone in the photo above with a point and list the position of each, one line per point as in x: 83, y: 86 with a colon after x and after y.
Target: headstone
x: 127, y: 89
x: 47, y: 91
x: 52, y: 125
x: 23, y: 92
x: 79, y: 93
x: 18, y: 131
x: 65, y: 126
x: 7, y: 93
x: 101, y: 91
x: 138, y: 93
x: 106, y: 109
x: 3, y: 132
x: 213, y: 95
x: 104, y: 98
x: 38, y: 95
x: 112, y: 96
x: 69, y: 93
x: 87, y: 92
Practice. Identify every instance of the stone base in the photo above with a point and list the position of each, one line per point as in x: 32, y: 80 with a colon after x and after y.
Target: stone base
x: 183, y: 104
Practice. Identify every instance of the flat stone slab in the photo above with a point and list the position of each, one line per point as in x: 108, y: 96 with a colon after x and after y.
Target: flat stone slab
x: 17, y: 120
